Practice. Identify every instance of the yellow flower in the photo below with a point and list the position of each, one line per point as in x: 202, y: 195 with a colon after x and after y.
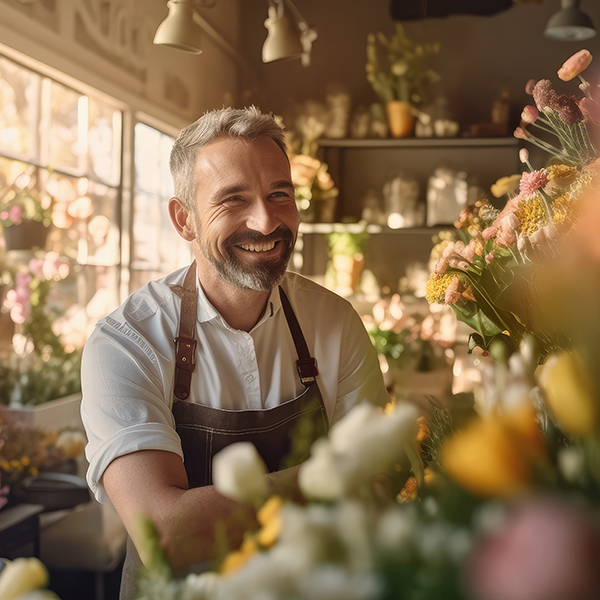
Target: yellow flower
x: 563, y: 213
x: 505, y: 185
x: 235, y: 560
x: 495, y: 455
x: 25, y: 461
x: 435, y: 290
x: 562, y: 172
x: 531, y: 214
x: 269, y: 516
x: 21, y: 576
x: 570, y: 393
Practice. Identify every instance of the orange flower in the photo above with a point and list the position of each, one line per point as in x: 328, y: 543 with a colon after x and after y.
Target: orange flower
x: 409, y: 492
x: 575, y: 65
x: 495, y: 455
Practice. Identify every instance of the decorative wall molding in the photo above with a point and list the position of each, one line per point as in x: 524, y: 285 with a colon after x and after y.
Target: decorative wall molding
x: 119, y: 30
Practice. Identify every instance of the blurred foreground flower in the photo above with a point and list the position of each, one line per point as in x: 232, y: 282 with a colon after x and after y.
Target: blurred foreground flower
x: 496, y: 455
x: 362, y: 444
x: 546, y: 549
x: 570, y: 394
x: 21, y: 578
x: 239, y: 473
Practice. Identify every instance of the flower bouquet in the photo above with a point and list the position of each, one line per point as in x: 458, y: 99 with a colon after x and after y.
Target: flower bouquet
x: 488, y: 275
x: 24, y: 211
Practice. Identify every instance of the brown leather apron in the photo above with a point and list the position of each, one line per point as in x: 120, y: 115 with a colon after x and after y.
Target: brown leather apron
x: 282, y: 434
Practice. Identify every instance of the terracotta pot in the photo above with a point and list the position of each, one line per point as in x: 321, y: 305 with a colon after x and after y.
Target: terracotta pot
x: 400, y: 118
x: 26, y: 236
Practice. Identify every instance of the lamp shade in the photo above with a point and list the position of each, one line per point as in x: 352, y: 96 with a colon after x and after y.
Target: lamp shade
x: 283, y: 39
x: 179, y: 30
x: 570, y: 24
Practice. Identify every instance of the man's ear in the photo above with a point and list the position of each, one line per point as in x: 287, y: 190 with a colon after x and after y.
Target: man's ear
x: 181, y: 219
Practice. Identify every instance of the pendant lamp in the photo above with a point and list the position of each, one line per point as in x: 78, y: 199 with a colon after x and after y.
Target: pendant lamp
x: 570, y: 24
x: 179, y: 29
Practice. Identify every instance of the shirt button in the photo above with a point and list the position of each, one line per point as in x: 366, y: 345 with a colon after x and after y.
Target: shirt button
x: 249, y: 378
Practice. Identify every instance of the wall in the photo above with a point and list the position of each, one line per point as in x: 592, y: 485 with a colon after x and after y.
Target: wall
x: 479, y: 55
x: 107, y: 44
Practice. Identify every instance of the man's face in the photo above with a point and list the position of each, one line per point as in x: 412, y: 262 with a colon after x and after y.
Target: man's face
x: 247, y: 220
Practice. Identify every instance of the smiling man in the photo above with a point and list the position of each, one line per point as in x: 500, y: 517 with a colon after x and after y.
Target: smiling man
x: 232, y: 348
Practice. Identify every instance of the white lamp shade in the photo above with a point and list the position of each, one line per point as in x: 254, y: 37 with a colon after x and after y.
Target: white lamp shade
x: 283, y: 39
x: 179, y: 30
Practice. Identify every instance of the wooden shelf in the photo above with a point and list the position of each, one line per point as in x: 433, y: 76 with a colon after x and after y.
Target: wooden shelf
x: 418, y: 142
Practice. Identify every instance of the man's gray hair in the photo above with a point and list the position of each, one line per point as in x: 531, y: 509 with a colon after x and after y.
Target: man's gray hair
x: 242, y: 123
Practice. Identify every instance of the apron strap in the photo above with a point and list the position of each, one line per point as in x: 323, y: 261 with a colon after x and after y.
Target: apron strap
x: 185, y: 344
x: 306, y: 364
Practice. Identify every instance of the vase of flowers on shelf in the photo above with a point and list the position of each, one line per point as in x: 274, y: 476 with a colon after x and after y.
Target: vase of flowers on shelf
x: 26, y: 215
x: 396, y: 69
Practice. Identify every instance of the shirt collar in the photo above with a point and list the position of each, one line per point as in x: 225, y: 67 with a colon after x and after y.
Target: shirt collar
x: 207, y: 312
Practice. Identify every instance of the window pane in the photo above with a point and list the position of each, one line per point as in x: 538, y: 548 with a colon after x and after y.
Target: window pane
x: 19, y: 102
x: 86, y: 219
x: 156, y: 246
x: 67, y: 130
x: 104, y: 142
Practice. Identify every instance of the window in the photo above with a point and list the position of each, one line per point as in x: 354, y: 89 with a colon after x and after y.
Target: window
x: 61, y: 150
x: 157, y: 249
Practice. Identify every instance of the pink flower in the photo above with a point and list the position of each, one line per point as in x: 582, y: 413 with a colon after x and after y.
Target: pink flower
x: 529, y: 86
x: 575, y: 65
x: 591, y: 109
x: 506, y: 235
x: 568, y: 109
x: 4, y: 215
x: 521, y: 133
x: 545, y: 550
x: 15, y: 214
x: 523, y: 155
x: 452, y: 294
x: 511, y: 206
x: 531, y: 182
x: 529, y: 114
x: 543, y: 94
x: 489, y: 258
x: 36, y: 266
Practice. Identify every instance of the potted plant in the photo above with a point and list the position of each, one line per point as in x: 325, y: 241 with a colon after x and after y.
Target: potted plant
x: 396, y: 69
x: 42, y: 364
x: 26, y: 216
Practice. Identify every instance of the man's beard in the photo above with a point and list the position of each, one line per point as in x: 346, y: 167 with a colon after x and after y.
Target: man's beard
x: 263, y: 276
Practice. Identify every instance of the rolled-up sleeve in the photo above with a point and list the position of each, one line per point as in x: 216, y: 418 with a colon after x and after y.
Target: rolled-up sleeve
x: 124, y: 407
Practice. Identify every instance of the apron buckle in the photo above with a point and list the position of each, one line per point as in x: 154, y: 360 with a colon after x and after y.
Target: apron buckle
x: 185, y: 350
x: 307, y: 369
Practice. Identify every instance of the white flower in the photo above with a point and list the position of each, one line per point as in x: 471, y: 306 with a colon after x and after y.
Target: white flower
x: 318, y: 477
x: 363, y: 443
x: 239, y: 473
x: 395, y: 529
x: 200, y: 587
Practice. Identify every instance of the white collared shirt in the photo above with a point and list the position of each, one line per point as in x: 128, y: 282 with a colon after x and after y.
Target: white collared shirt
x: 129, y: 365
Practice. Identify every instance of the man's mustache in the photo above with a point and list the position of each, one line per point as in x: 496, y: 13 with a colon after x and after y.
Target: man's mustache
x: 254, y: 237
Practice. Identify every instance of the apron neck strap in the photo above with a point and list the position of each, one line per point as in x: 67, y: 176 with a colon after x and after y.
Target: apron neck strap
x: 306, y: 364
x: 185, y: 344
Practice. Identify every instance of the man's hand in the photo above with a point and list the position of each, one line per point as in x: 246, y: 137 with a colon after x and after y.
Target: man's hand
x: 154, y: 483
